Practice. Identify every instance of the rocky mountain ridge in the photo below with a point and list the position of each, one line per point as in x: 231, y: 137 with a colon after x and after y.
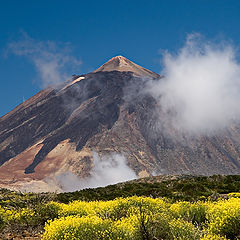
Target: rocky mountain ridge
x: 59, y: 129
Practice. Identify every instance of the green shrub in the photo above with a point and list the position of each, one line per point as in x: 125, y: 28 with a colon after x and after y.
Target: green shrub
x: 156, y: 226
x: 23, y: 217
x: 45, y: 212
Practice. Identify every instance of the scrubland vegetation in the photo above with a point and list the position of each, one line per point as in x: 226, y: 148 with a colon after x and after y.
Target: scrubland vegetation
x: 96, y: 214
x: 145, y: 218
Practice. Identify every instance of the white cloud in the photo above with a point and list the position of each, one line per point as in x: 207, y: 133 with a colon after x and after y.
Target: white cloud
x: 53, y: 62
x: 110, y: 169
x: 200, y: 91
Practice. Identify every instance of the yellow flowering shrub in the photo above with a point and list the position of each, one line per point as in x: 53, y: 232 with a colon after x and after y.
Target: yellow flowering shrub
x: 110, y: 209
x: 88, y: 227
x: 114, y: 209
x: 23, y: 216
x: 125, y: 218
x: 156, y: 225
x: 145, y: 218
x: 5, y: 216
x: 125, y: 207
x: 213, y: 237
x: 79, y: 208
x: 234, y: 194
x: 224, y: 217
x: 183, y: 230
x: 126, y: 228
x: 192, y: 212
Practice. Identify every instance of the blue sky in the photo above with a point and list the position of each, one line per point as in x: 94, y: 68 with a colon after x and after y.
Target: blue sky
x: 95, y: 31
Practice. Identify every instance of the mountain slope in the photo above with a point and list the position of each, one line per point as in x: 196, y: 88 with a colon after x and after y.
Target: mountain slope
x: 105, y: 111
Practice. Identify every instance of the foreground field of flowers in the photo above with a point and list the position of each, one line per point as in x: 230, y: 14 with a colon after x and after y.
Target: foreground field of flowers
x: 143, y: 218
x: 134, y: 218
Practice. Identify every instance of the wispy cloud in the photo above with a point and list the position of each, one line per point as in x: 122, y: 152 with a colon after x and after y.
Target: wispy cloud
x: 108, y: 169
x: 54, y: 62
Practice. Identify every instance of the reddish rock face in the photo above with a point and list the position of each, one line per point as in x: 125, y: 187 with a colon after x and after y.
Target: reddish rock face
x: 58, y: 130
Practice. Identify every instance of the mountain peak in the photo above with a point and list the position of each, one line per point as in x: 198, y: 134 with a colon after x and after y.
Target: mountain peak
x: 122, y: 64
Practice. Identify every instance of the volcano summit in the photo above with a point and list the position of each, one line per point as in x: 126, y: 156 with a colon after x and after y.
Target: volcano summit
x: 104, y: 112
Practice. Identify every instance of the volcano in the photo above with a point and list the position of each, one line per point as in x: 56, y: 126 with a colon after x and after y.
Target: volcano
x: 103, y: 112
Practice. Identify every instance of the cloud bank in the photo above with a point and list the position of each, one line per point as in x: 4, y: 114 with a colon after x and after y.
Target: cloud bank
x: 53, y: 62
x: 200, y: 91
x: 110, y: 169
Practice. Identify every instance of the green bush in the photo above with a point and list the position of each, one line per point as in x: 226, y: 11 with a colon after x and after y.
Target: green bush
x: 45, y: 212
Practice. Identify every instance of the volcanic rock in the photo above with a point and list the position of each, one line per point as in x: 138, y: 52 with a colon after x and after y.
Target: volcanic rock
x: 105, y: 111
